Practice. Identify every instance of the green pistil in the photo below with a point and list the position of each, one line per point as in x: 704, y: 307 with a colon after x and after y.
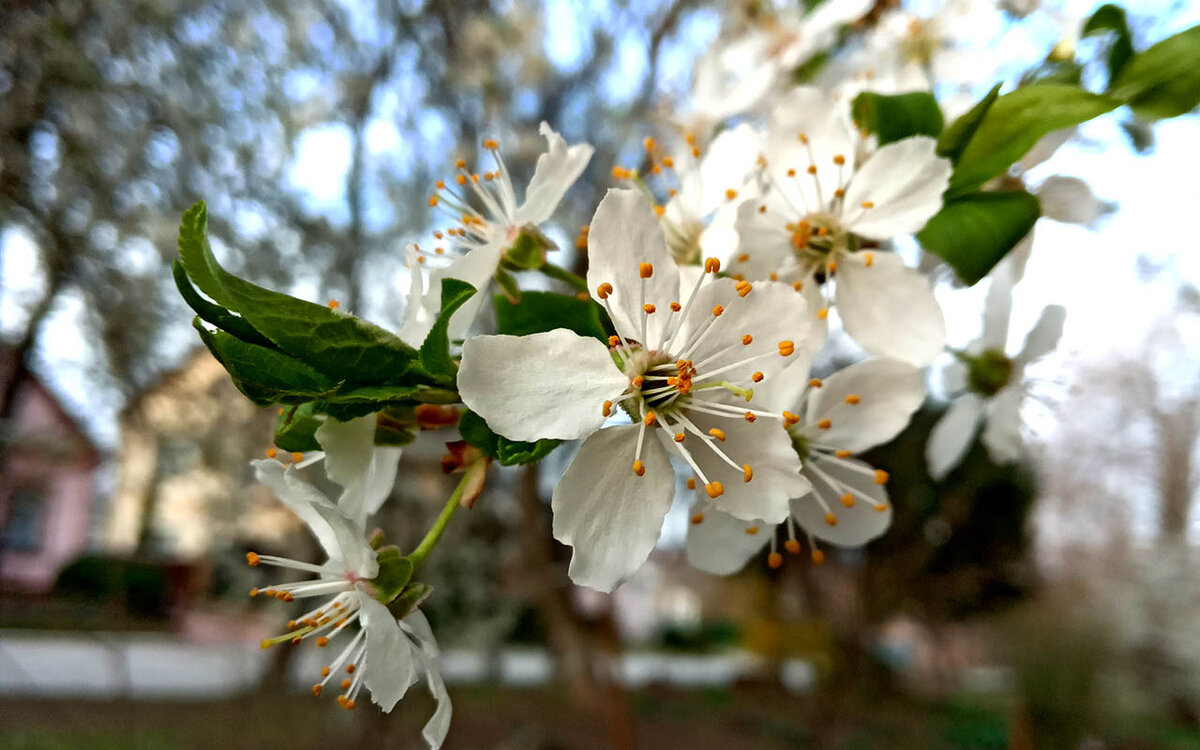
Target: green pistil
x: 746, y: 393
x: 988, y: 372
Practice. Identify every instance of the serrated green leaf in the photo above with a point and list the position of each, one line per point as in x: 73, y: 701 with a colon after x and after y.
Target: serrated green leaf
x: 898, y: 116
x: 295, y: 430
x: 395, y: 571
x: 954, y: 138
x: 265, y: 375
x: 544, y: 311
x: 507, y: 452
x: 1017, y: 121
x: 974, y: 232
x: 1163, y: 81
x: 1111, y: 19
x: 435, y: 350
x: 340, y: 346
x: 215, y: 314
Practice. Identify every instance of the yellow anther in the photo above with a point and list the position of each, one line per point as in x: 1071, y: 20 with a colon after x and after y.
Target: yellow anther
x: 322, y: 642
x: 882, y: 507
x: 747, y: 340
x: 812, y: 169
x: 649, y: 143
x: 786, y: 348
x: 881, y: 476
x: 743, y: 288
x: 791, y: 173
x: 271, y: 453
x: 757, y: 377
x: 712, y: 265
x: 848, y: 500
x: 679, y: 436
x: 731, y: 194
x: 868, y: 204
x: 815, y: 383
x: 645, y: 270
x: 869, y: 259
x: 790, y: 419
x: 690, y: 138
x: 659, y: 211
x: 797, y: 285
x: 792, y: 546
x: 714, y: 489
x: 747, y: 473
x: 751, y: 530
x: 743, y: 257
x: 823, y: 313
x: 621, y: 173
x: 695, y: 152
x: 638, y: 380
x: 604, y: 290
x: 461, y: 179
x: 460, y: 163
x: 639, y: 468
x: 297, y: 457
x: 433, y: 201
x: 750, y: 417
x: 853, y: 398
x: 839, y: 160
x: 350, y: 668
x: 346, y: 684
x: 698, y: 518
x: 334, y: 304
x: 718, y: 433
x: 253, y: 593
x: 691, y: 483
x: 676, y: 307
x: 803, y: 138
x: 718, y: 310
x: 316, y: 689
x: 843, y: 454
x: 614, y: 340
x: 762, y: 209
x: 252, y: 559
x: 818, y: 557
x: 608, y: 408
x: 825, y: 424
x: 650, y: 419
x: 774, y: 560
x: 649, y: 309
x: 830, y: 519
x: 475, y: 177
x: 441, y: 185
x: 439, y: 250
x: 839, y: 193
x: 490, y: 144
x: 668, y: 162
x: 831, y: 266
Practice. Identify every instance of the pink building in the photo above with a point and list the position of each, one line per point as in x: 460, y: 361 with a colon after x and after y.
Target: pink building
x: 47, y: 469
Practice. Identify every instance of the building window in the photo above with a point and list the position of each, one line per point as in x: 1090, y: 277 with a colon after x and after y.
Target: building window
x: 26, y: 512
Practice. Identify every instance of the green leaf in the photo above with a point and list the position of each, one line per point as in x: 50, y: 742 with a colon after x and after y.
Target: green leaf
x: 395, y: 571
x: 1015, y: 122
x: 538, y: 312
x: 898, y: 116
x: 265, y: 375
x: 1066, y: 72
x: 215, y: 314
x: 295, y: 430
x: 507, y: 452
x: 974, y: 232
x: 435, y: 350
x: 1111, y: 18
x: 1163, y: 81
x: 340, y: 346
x: 954, y: 139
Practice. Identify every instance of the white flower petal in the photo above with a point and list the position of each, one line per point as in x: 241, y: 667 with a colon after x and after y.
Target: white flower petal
x: 952, y: 435
x: 886, y: 391
x: 366, y: 472
x: 546, y: 385
x: 825, y: 123
x: 476, y: 268
x: 556, y: 171
x: 855, y: 525
x: 721, y: 544
x: 302, y: 499
x: 390, y: 667
x: 1002, y: 432
x: 418, y: 318
x: 1071, y: 200
x: 904, y: 181
x: 889, y: 308
x: 625, y: 233
x: 720, y: 238
x: 609, y: 515
x: 997, y: 309
x: 764, y: 446
x: 762, y: 239
x: 1044, y: 335
x: 439, y: 724
x: 730, y: 158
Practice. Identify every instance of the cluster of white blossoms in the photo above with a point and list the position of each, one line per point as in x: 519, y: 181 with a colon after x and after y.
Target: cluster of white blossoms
x: 720, y: 268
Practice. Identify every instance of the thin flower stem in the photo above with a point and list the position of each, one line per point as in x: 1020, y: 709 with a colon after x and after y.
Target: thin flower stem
x: 576, y: 281
x: 439, y: 526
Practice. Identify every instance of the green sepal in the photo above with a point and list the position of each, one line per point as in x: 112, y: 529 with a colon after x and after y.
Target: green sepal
x: 376, y: 539
x: 395, y: 571
x: 296, y: 428
x: 895, y: 117
x: 1111, y: 18
x: 340, y: 346
x: 539, y: 312
x: 507, y: 452
x: 528, y: 250
x: 806, y: 71
x: 1014, y: 123
x: 1164, y: 80
x: 413, y: 596
x: 987, y: 372
x: 265, y: 376
x: 435, y: 350
x: 955, y: 137
x: 974, y: 232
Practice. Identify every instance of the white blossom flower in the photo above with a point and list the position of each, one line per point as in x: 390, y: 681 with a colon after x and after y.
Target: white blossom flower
x: 996, y: 385
x: 703, y: 188
x: 826, y: 202
x: 682, y: 366
x: 485, y: 220
x: 864, y: 405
